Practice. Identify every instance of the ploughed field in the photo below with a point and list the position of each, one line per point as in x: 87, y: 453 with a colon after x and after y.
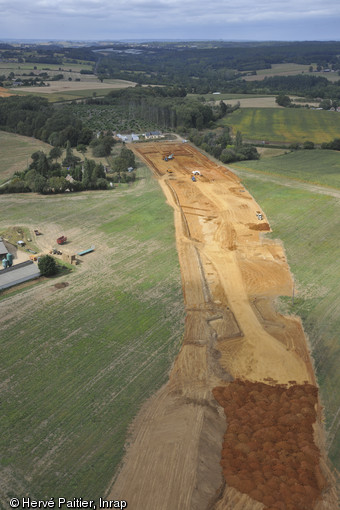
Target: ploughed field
x: 240, y: 358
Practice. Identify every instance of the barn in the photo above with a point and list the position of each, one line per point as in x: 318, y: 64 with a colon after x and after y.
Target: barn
x: 19, y: 273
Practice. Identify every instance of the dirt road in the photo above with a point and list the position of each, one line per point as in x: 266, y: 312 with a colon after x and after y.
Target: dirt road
x: 231, y: 275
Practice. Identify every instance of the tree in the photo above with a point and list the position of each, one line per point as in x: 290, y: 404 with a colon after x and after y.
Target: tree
x: 47, y: 265
x: 35, y: 181
x: 57, y: 184
x: 283, y: 100
x: 70, y: 159
x: 55, y: 153
x: 238, y: 141
x: 223, y: 109
x: 82, y: 148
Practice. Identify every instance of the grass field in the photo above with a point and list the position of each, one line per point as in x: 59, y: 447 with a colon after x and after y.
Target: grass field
x: 289, y: 69
x: 313, y: 166
x: 309, y: 224
x: 15, y: 151
x: 78, y: 362
x: 68, y: 91
x: 285, y: 124
x: 34, y: 66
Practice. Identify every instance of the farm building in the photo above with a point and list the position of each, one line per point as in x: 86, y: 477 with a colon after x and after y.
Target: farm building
x: 153, y: 135
x: 3, y: 249
x: 128, y: 138
x: 18, y: 274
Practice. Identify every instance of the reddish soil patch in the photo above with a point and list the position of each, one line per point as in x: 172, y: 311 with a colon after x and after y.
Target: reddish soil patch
x: 268, y: 450
x: 259, y: 226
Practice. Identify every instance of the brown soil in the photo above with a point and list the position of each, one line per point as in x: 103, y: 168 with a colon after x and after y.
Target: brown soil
x: 230, y: 276
x: 61, y: 285
x: 268, y: 450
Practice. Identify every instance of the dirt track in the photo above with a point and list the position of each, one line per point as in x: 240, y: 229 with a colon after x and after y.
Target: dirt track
x: 231, y: 275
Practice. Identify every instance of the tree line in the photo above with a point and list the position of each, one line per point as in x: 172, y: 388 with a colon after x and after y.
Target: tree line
x: 34, y: 116
x: 221, y: 145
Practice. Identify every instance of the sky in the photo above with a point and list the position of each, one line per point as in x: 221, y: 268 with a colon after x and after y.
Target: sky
x: 170, y: 19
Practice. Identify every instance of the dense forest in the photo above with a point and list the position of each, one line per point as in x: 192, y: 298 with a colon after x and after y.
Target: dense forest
x: 34, y: 116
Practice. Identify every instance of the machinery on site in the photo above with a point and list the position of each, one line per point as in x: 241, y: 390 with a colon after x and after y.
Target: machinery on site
x: 7, y: 261
x: 193, y: 178
x: 169, y: 158
x: 259, y: 216
x: 61, y: 240
x: 169, y: 171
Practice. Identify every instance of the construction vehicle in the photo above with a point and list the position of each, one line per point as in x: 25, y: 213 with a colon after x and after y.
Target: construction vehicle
x: 169, y: 171
x: 37, y: 233
x: 193, y: 178
x: 259, y: 216
x: 168, y: 158
x: 61, y: 240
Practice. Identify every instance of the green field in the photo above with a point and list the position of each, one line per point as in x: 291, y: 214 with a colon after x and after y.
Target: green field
x: 312, y: 166
x: 308, y: 223
x: 15, y: 153
x: 34, y: 66
x: 284, y: 124
x: 69, y: 95
x: 78, y: 362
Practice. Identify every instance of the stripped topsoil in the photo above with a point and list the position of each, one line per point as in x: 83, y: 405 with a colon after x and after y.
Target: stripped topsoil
x: 239, y: 424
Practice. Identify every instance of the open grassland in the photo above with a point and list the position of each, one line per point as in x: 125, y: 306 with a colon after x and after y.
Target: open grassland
x: 312, y: 166
x: 285, y: 124
x: 308, y: 224
x: 288, y: 69
x: 78, y: 362
x: 15, y: 152
x: 64, y: 90
x: 23, y: 67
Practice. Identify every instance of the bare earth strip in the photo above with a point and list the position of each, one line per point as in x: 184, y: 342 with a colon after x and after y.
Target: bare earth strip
x: 230, y: 276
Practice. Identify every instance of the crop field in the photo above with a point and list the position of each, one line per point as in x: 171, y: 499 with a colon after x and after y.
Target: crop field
x: 64, y: 90
x: 285, y: 124
x: 81, y: 352
x: 308, y: 224
x: 289, y: 69
x: 16, y: 151
x: 34, y: 66
x: 313, y: 166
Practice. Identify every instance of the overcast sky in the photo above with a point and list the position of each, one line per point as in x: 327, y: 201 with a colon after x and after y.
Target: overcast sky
x: 170, y: 19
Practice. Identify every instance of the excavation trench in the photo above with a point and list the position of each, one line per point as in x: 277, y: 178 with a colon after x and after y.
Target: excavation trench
x: 233, y: 336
